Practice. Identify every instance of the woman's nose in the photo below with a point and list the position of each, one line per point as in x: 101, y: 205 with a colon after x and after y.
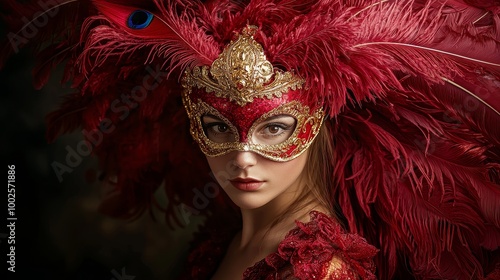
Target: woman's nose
x: 244, y: 160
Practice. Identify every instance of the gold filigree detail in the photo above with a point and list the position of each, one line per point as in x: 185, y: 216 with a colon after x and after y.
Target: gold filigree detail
x: 302, y: 115
x: 242, y: 73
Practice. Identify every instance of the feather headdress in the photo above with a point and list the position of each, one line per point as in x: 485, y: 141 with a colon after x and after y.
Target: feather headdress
x: 411, y: 89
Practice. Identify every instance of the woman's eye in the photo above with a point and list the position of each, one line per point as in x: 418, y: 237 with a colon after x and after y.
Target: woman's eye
x: 219, y: 128
x: 218, y: 132
x: 274, y: 129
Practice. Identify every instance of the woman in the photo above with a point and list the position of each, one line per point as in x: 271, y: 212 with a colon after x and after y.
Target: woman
x: 255, y: 128
x: 409, y: 148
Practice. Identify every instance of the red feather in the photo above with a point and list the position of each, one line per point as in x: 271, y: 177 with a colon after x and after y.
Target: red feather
x: 170, y: 37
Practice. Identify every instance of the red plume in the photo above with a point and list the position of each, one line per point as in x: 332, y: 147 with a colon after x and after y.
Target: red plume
x: 173, y: 39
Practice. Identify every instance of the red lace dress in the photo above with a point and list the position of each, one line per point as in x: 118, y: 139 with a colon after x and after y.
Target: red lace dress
x: 318, y: 249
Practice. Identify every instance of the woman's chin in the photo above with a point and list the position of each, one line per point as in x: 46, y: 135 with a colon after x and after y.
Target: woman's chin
x: 248, y: 201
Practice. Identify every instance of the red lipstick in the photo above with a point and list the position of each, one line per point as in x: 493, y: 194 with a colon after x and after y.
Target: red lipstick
x: 246, y: 184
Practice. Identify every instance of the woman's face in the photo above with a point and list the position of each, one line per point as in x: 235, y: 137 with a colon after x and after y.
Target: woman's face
x: 250, y: 180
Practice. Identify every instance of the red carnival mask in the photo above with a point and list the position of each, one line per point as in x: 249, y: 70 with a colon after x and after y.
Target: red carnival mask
x: 232, y: 105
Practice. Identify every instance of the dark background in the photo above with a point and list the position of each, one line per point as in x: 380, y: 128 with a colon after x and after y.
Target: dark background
x: 59, y: 232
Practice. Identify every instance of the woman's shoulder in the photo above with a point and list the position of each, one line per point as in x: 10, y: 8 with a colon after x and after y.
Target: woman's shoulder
x: 319, y: 249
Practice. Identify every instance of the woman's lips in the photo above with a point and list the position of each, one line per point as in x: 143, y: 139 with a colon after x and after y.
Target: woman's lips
x: 246, y: 184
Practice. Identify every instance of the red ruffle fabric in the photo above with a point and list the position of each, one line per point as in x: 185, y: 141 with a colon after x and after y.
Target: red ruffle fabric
x: 305, y: 253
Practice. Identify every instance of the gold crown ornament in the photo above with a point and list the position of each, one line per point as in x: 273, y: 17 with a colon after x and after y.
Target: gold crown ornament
x: 242, y: 73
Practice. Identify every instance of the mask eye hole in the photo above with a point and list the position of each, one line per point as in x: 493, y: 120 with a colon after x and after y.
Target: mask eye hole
x: 274, y: 130
x: 139, y: 19
x: 217, y: 130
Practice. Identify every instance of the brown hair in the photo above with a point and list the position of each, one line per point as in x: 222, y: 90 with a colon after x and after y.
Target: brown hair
x: 319, y: 168
x: 316, y: 177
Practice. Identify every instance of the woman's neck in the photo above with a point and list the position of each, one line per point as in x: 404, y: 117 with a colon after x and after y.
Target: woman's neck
x: 260, y: 225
